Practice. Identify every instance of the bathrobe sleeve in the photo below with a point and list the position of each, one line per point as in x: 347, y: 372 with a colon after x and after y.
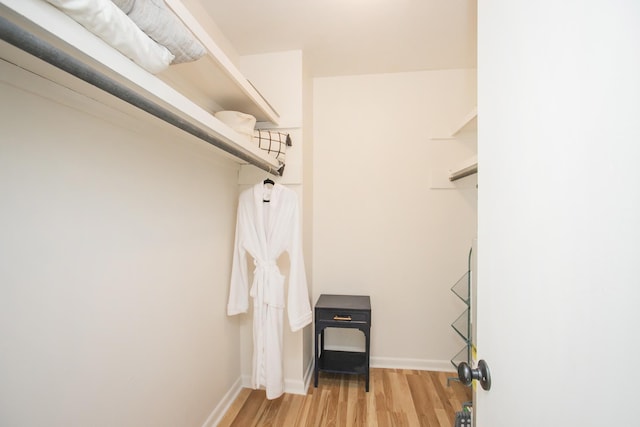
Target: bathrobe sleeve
x: 298, y: 307
x: 239, y: 289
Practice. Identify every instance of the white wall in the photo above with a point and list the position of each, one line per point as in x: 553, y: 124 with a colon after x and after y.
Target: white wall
x: 115, y: 254
x: 379, y: 227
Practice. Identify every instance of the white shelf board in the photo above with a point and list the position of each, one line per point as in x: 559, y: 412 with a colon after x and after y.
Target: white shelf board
x: 213, y: 82
x: 215, y: 78
x: 52, y: 25
x: 468, y: 123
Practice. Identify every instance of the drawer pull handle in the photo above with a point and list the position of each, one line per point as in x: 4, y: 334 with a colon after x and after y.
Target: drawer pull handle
x: 346, y: 318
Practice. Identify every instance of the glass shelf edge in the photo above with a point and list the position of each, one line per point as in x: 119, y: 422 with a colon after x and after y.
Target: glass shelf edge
x: 463, y: 281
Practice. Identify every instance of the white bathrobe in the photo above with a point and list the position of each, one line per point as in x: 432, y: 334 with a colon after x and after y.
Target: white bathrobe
x: 265, y: 230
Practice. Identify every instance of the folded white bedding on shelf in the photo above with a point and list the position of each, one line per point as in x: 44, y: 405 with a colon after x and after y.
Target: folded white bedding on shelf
x: 107, y: 21
x: 145, y: 31
x: 158, y: 22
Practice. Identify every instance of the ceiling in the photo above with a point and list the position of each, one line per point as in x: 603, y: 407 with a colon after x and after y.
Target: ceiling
x: 344, y: 37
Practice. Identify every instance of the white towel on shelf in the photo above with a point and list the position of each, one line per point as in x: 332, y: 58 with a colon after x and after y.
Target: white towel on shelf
x: 107, y: 21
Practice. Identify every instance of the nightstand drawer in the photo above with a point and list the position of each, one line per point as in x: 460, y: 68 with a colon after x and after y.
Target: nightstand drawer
x: 342, y: 316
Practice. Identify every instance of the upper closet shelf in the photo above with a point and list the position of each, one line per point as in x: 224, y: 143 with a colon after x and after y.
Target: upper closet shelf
x: 185, y: 95
x: 215, y: 78
x: 468, y: 123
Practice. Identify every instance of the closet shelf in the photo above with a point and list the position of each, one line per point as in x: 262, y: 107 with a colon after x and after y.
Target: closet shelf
x: 215, y: 78
x: 42, y: 26
x: 468, y: 123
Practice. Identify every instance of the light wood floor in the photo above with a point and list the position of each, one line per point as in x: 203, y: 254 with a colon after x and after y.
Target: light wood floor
x: 397, y: 397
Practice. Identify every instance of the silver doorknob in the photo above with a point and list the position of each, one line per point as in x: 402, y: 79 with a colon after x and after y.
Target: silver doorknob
x: 466, y: 375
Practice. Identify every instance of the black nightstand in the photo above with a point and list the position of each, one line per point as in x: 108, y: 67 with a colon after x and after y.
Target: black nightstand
x: 342, y: 311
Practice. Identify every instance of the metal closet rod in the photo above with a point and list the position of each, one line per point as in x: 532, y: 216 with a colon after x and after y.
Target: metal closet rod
x: 463, y: 173
x: 28, y: 42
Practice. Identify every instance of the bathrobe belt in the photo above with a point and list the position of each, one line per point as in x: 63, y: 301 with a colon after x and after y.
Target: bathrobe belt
x: 267, y: 281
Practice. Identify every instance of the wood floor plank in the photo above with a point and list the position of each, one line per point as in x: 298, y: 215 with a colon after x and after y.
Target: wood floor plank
x: 447, y: 393
x: 289, y: 410
x: 419, y: 394
x: 235, y: 407
x: 372, y: 418
x: 302, y: 418
x: 378, y: 391
x: 252, y: 410
x: 406, y: 402
x: 320, y: 418
x: 443, y: 418
x: 397, y: 398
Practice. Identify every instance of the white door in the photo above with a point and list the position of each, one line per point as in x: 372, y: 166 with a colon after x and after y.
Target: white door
x: 558, y: 306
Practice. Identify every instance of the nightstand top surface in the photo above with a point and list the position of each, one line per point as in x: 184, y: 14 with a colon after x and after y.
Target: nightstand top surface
x: 351, y: 302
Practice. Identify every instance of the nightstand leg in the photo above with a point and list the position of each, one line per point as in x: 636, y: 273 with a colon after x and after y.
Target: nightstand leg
x: 367, y: 350
x: 316, y: 367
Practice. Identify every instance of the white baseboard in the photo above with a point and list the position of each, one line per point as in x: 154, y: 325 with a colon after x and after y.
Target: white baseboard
x: 223, y: 406
x: 402, y: 363
x: 295, y: 386
x: 246, y: 381
x: 308, y: 375
x: 417, y: 364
